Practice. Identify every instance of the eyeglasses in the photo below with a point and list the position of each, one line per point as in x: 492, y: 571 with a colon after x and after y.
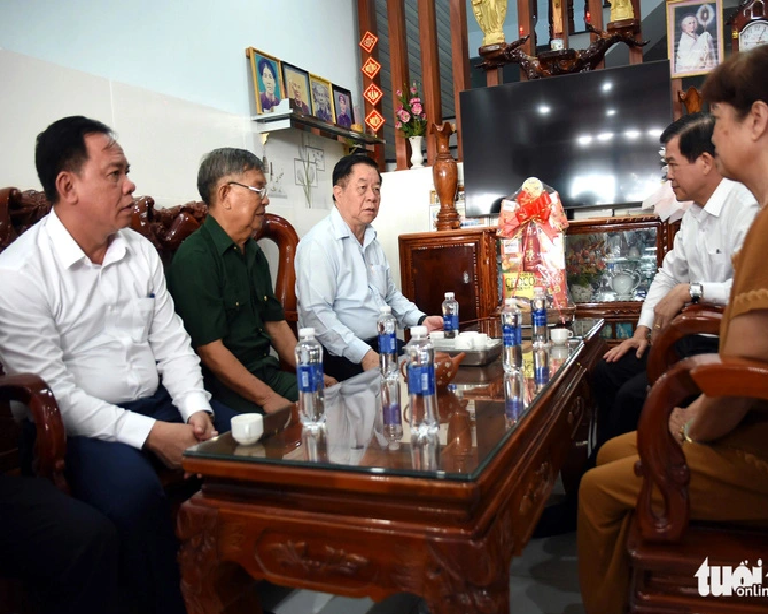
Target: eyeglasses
x: 260, y: 192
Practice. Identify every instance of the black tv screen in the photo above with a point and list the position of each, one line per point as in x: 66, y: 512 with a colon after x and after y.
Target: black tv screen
x: 592, y: 136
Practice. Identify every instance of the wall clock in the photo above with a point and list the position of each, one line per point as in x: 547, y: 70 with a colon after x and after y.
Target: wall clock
x: 749, y: 27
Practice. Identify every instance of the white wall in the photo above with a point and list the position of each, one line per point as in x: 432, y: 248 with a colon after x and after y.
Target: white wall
x: 171, y: 78
x: 189, y: 49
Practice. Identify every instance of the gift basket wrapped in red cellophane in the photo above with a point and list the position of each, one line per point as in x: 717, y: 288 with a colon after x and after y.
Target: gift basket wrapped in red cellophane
x: 531, y: 232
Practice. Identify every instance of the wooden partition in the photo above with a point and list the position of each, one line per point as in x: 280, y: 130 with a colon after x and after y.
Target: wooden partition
x: 430, y: 62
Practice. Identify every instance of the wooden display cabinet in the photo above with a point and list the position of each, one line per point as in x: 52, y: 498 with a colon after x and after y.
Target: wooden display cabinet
x: 461, y: 261
x: 610, y: 263
x: 464, y: 261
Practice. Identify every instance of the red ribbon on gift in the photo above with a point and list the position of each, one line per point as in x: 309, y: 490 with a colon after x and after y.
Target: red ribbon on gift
x: 529, y: 210
x: 537, y: 210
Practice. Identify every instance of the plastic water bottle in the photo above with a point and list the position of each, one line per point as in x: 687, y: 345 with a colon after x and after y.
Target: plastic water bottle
x: 540, y: 364
x: 309, y: 373
x: 515, y: 396
x: 424, y: 420
x: 450, y: 316
x: 512, y: 331
x: 539, y: 330
x: 390, y: 407
x: 387, y: 326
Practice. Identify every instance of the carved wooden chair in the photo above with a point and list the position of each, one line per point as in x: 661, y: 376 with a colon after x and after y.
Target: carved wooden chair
x: 696, y: 319
x: 665, y: 547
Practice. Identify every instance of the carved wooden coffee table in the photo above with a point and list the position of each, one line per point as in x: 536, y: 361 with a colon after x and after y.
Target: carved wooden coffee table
x: 345, y: 514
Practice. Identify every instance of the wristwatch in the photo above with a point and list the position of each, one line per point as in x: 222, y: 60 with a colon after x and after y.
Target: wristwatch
x: 696, y: 290
x: 421, y: 320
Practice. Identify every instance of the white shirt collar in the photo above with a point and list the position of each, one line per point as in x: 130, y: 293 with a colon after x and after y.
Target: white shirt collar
x: 715, y: 203
x: 341, y: 229
x: 69, y: 252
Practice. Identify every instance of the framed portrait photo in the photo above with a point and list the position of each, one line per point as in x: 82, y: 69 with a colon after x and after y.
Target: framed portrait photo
x: 322, y: 98
x: 694, y: 36
x: 267, y: 80
x: 344, y: 116
x: 296, y: 82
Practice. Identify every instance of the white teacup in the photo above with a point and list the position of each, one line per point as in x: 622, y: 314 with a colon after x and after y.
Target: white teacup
x: 247, y: 428
x: 481, y: 341
x: 437, y: 334
x: 560, y: 335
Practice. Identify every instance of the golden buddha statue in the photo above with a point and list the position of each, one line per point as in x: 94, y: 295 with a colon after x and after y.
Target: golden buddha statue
x: 622, y: 9
x: 490, y: 16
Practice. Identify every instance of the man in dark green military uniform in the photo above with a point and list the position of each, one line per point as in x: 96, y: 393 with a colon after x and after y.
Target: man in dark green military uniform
x: 222, y: 288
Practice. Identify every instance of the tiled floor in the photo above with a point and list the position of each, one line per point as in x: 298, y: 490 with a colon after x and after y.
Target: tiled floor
x: 542, y: 581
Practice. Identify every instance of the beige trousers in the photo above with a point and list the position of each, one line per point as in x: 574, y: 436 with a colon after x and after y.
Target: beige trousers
x: 727, y: 483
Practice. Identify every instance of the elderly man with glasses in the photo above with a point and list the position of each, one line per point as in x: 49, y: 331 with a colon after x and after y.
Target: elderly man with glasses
x: 222, y: 288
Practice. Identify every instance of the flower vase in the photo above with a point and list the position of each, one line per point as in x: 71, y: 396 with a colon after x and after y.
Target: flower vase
x: 417, y: 160
x: 445, y: 174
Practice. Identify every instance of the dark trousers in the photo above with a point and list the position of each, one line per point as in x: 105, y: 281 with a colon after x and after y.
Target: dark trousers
x: 122, y: 483
x: 620, y: 387
x: 65, y: 550
x: 341, y: 368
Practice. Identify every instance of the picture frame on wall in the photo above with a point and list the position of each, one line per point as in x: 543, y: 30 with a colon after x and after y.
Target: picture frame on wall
x: 694, y: 37
x: 267, y: 80
x: 321, y: 94
x: 344, y: 115
x: 296, y: 82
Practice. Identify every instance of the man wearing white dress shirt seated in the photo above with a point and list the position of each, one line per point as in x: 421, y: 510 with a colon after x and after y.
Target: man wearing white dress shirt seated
x: 343, y: 277
x: 84, y: 305
x: 697, y: 268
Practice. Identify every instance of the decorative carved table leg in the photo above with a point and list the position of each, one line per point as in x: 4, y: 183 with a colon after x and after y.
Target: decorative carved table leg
x: 198, y: 558
x: 464, y: 578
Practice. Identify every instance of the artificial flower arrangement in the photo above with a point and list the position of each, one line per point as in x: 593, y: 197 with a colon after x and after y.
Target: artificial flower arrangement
x: 411, y: 118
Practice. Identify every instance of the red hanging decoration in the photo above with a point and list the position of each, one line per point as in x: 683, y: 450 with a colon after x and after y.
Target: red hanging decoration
x: 374, y: 120
x: 368, y: 42
x: 371, y: 68
x: 373, y: 94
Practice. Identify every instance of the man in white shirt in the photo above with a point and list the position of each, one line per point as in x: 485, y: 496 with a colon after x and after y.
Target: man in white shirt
x: 343, y: 277
x: 84, y: 306
x: 698, y: 267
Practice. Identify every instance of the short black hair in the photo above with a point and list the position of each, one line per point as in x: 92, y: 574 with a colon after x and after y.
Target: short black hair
x: 343, y: 168
x: 265, y: 63
x: 695, y: 132
x: 224, y: 162
x: 61, y: 147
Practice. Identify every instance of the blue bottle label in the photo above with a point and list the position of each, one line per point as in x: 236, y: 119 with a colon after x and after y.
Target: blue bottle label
x: 451, y: 322
x: 541, y: 375
x: 513, y: 407
x: 392, y: 414
x: 540, y: 317
x: 309, y: 377
x: 513, y: 335
x: 387, y: 344
x: 421, y: 380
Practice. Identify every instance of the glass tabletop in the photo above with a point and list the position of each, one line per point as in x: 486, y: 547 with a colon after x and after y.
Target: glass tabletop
x: 478, y: 412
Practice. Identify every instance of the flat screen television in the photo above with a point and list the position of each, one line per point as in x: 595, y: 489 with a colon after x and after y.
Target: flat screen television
x: 592, y: 136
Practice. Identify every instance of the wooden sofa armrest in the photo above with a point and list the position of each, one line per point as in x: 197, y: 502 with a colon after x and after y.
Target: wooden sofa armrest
x: 701, y: 318
x: 280, y: 231
x: 662, y: 463
x: 7, y: 231
x: 51, y: 443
